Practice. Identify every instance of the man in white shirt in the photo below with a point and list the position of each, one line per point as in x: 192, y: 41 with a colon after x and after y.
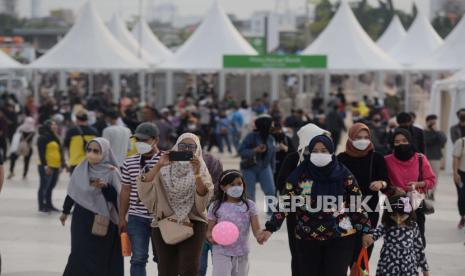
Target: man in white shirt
x: 118, y: 136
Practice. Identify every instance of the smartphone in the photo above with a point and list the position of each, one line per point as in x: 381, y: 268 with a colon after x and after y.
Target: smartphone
x: 181, y: 156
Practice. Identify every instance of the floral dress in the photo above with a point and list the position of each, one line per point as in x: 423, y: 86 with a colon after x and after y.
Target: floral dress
x: 402, y: 253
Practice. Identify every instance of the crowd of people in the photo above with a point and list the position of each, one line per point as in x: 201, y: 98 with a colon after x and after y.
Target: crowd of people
x: 125, y: 179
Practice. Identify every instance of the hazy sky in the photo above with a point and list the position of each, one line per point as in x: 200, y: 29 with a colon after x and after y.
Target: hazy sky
x: 242, y: 8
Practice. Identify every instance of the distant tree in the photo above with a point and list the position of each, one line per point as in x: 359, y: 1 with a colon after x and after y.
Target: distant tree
x: 444, y: 24
x: 8, y: 23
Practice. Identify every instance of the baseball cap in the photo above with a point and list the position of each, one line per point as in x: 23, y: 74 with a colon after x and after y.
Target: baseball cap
x: 146, y: 131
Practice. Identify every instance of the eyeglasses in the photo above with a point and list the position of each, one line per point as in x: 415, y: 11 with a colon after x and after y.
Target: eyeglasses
x: 187, y: 147
x: 141, y: 140
x: 96, y: 151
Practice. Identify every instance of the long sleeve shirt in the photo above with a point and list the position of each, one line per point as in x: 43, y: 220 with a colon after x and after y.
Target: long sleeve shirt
x: 323, y: 224
x: 401, y: 173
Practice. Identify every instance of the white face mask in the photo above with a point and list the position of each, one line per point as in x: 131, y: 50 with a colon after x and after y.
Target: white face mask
x: 361, y: 144
x: 321, y: 159
x: 143, y: 148
x: 235, y: 191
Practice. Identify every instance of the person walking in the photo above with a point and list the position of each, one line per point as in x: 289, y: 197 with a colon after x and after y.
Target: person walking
x: 76, y: 139
x: 52, y: 161
x: 435, y: 141
x: 458, y: 168
x: 368, y: 167
x: 22, y: 146
x: 178, y: 193
x: 135, y: 219
x: 258, y: 154
x: 94, y: 191
x: 325, y: 237
x: 118, y: 136
x: 458, y: 131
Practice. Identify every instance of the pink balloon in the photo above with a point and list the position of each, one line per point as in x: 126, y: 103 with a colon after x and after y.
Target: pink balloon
x: 225, y: 233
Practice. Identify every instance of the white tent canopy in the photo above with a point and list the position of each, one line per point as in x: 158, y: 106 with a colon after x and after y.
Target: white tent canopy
x: 204, y: 50
x: 7, y: 63
x: 447, y: 97
x: 394, y: 33
x: 88, y: 46
x: 348, y: 47
x: 118, y: 28
x: 451, y: 55
x: 149, y: 42
x: 421, y: 41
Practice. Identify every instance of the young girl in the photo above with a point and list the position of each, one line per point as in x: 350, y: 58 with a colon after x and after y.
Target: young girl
x: 232, y: 205
x: 403, y: 252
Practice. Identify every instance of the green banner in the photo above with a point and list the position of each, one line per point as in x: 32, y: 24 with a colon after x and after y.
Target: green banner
x: 278, y: 62
x: 258, y: 43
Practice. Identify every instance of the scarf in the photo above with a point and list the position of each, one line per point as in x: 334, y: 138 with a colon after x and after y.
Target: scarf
x: 178, y: 179
x: 328, y: 180
x: 406, y: 151
x: 306, y: 134
x: 89, y: 197
x: 350, y: 149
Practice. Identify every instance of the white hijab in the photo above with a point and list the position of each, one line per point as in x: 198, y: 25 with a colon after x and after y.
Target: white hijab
x: 306, y: 134
x: 179, y: 180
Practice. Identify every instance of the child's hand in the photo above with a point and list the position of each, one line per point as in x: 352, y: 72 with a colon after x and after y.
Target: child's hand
x: 425, y: 273
x: 367, y: 240
x: 263, y: 237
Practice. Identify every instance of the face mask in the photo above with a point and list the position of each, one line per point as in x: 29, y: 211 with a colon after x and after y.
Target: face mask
x: 191, y: 127
x: 361, y: 144
x: 93, y: 158
x: 235, y: 191
x: 143, y: 148
x: 399, y: 219
x: 321, y: 159
x: 404, y: 152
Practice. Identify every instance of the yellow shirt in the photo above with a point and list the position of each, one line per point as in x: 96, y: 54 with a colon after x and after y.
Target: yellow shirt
x: 53, y: 155
x: 76, y: 149
x: 133, y: 149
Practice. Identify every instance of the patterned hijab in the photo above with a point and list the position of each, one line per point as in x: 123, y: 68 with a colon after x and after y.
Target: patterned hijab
x: 178, y: 179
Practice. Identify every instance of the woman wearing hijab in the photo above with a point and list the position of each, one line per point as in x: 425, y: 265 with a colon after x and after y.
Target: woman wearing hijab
x: 94, y: 192
x: 368, y: 167
x: 305, y: 134
x: 21, y: 145
x: 325, y: 236
x: 178, y: 191
x: 258, y: 154
x: 409, y: 170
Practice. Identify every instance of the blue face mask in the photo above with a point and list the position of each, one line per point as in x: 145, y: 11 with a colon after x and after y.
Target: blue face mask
x: 235, y: 191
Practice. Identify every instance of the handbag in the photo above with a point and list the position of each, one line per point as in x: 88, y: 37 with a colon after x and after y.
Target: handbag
x: 417, y: 199
x: 249, y: 162
x: 357, y: 269
x: 100, y: 225
x: 174, y: 232
x: 24, y: 148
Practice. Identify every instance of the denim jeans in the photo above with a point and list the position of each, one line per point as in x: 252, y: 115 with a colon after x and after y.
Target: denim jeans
x: 139, y: 232
x: 204, y: 258
x: 223, y: 138
x: 264, y: 176
x: 46, y: 186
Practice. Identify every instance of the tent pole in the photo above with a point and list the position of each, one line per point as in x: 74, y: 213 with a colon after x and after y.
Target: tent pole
x: 35, y: 84
x: 222, y: 81
x: 116, y: 86
x: 381, y: 77
x: 301, y: 81
x: 9, y: 84
x: 407, y: 79
x: 274, y: 86
x: 91, y: 83
x: 248, y: 87
x: 327, y: 86
x: 143, y: 96
x: 62, y: 76
x: 169, y: 88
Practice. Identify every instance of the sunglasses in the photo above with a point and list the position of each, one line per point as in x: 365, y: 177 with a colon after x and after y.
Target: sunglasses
x: 96, y: 151
x: 185, y: 147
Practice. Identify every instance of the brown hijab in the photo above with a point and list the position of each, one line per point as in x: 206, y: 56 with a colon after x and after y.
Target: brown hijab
x: 353, y: 131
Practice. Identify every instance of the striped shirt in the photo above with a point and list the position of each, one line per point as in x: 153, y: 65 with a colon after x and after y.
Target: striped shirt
x: 132, y: 168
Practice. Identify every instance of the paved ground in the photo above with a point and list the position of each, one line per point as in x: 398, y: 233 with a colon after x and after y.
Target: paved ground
x: 35, y: 244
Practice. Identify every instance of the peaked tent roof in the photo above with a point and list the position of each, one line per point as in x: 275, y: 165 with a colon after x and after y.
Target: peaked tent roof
x: 88, y: 46
x: 451, y: 55
x: 118, y: 28
x: 215, y: 37
x: 149, y: 42
x: 421, y: 41
x: 348, y: 46
x: 393, y: 34
x: 6, y: 62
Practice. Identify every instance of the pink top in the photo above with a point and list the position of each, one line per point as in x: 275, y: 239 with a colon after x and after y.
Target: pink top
x: 402, y: 172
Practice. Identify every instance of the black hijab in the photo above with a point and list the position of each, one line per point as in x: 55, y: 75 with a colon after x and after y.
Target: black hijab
x: 403, y: 152
x: 263, y: 126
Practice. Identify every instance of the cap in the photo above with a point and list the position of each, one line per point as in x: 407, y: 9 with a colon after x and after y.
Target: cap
x: 146, y: 131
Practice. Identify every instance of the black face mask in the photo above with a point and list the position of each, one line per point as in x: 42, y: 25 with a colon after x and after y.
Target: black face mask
x: 462, y: 118
x: 404, y: 152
